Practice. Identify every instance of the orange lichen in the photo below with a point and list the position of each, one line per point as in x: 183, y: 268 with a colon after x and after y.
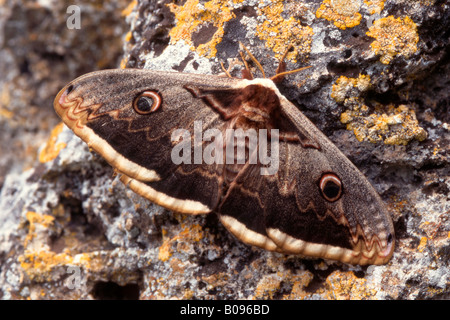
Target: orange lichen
x: 128, y: 36
x: 36, y: 221
x: 192, y: 16
x: 216, y: 280
x: 299, y: 283
x: 5, y: 100
x: 344, y: 285
x: 268, y: 286
x: 279, y: 33
x: 39, y: 262
x: 52, y: 149
x: 123, y: 63
x: 129, y: 8
x: 6, y: 113
x: 344, y: 87
x: 389, y: 124
x: 394, y: 36
x: 422, y: 245
x: 165, y: 251
x: 187, y: 234
x: 374, y: 6
x: 344, y: 14
x: 37, y: 259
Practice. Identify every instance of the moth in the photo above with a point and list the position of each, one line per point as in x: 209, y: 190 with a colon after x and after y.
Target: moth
x: 315, y: 203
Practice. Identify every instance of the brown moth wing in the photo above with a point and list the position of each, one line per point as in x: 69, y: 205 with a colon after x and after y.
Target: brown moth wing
x: 359, y: 208
x: 284, y: 211
x: 98, y: 108
x: 287, y: 212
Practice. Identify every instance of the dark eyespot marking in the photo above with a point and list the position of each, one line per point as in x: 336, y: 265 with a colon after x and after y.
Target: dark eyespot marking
x: 147, y: 102
x: 390, y: 238
x: 69, y: 89
x: 330, y: 187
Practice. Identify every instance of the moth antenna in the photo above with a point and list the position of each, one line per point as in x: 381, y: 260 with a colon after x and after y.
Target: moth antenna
x: 281, y: 70
x: 282, y: 74
x: 246, y: 73
x: 286, y: 52
x: 253, y: 58
x: 227, y: 71
x: 282, y: 64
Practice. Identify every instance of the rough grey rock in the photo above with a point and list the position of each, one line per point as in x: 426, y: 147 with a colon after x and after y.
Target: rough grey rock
x: 37, y: 54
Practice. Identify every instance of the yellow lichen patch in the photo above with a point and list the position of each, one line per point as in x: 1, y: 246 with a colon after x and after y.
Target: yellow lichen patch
x: 388, y: 124
x: 165, y: 250
x: 344, y: 285
x: 192, y: 16
x: 37, y: 257
x: 268, y: 286
x: 394, y: 36
x: 299, y: 283
x: 52, y: 149
x: 216, y: 280
x: 123, y: 63
x: 187, y: 235
x: 422, y: 245
x: 343, y: 13
x: 391, y: 125
x: 37, y: 218
x: 374, y: 6
x: 188, y: 294
x: 129, y: 8
x: 344, y: 87
x: 6, y: 113
x: 279, y: 33
x: 38, y: 264
x: 128, y: 36
x: 36, y: 222
x: 5, y: 100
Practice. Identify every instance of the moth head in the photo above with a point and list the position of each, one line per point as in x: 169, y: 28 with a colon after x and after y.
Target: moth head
x: 147, y: 102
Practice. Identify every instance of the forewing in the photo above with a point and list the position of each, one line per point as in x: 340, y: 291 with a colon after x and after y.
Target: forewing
x: 98, y: 107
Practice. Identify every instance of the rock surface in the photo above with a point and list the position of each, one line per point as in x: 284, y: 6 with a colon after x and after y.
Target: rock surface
x: 378, y: 87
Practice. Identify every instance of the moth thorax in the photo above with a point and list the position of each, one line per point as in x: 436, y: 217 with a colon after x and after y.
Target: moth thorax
x: 255, y: 113
x: 246, y: 121
x: 259, y: 101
